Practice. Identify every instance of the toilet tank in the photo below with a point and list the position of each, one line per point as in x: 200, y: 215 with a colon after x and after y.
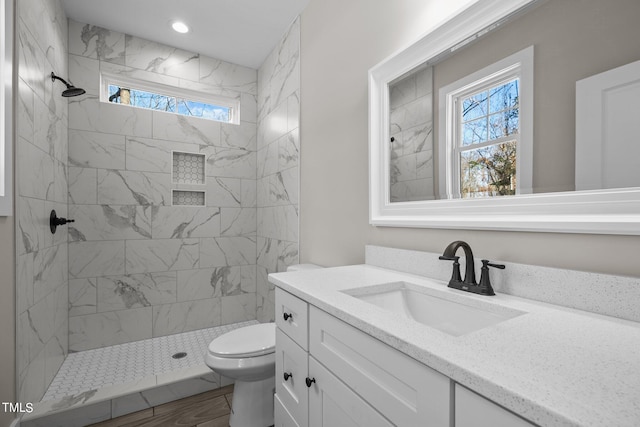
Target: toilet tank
x: 301, y: 267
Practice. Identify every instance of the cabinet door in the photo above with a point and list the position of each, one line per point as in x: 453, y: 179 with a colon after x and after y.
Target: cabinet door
x: 282, y: 417
x: 291, y: 359
x: 473, y: 410
x: 332, y: 403
x: 407, y: 392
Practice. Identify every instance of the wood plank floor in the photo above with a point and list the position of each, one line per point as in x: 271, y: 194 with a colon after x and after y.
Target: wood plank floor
x: 210, y: 409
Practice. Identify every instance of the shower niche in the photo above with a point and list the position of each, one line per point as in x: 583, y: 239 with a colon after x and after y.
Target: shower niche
x: 188, y: 178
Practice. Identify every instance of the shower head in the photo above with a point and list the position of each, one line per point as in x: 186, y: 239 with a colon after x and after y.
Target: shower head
x: 71, y: 89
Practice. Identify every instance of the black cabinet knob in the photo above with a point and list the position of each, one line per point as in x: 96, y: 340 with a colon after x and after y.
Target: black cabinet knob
x: 287, y: 316
x: 309, y: 381
x: 287, y: 375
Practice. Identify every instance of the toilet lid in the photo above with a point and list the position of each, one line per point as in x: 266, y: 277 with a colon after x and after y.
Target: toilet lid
x: 249, y: 341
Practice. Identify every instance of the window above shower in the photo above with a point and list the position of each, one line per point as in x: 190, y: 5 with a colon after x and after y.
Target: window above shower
x: 155, y: 96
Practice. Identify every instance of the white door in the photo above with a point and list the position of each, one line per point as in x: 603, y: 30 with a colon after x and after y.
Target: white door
x: 333, y: 404
x: 607, y: 124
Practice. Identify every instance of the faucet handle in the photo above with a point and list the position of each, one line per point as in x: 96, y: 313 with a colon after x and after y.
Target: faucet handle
x: 455, y: 275
x: 484, y: 286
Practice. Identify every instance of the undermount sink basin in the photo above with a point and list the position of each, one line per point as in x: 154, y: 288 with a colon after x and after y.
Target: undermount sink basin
x: 434, y: 308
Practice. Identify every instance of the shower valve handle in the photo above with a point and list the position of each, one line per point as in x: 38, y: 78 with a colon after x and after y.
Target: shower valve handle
x: 54, y: 221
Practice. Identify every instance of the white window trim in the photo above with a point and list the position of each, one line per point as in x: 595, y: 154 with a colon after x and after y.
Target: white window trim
x: 6, y: 101
x: 107, y: 79
x: 520, y: 65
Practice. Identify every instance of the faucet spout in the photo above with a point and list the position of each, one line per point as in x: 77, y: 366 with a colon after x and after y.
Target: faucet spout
x: 469, y: 271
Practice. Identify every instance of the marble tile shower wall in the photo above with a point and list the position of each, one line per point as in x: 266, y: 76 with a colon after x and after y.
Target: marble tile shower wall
x: 139, y: 267
x: 278, y: 175
x: 412, y: 130
x: 41, y: 182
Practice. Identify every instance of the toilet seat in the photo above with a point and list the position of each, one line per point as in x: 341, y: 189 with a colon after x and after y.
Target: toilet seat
x: 249, y: 341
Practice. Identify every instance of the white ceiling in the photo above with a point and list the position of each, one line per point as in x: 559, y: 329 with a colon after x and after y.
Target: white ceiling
x: 239, y: 31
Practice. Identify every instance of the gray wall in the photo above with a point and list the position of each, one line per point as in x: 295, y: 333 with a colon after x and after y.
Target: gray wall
x: 278, y: 153
x: 138, y: 266
x: 41, y: 185
x: 334, y: 157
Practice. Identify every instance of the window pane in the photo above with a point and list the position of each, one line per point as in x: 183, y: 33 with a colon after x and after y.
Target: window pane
x: 475, y: 106
x: 504, y: 97
x: 503, y: 124
x: 474, y: 132
x: 207, y: 111
x: 152, y: 101
x: 488, y: 171
x: 158, y: 102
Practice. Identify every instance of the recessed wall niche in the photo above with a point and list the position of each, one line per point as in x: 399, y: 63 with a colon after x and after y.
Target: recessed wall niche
x: 188, y: 168
x: 188, y: 198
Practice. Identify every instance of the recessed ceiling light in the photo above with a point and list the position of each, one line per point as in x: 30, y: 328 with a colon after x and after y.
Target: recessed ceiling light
x: 180, y: 27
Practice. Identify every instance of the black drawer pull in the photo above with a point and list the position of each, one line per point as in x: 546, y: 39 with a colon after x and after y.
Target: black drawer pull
x: 287, y: 375
x: 287, y: 316
x: 309, y: 381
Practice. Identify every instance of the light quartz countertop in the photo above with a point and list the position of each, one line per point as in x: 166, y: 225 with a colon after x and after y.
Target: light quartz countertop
x: 554, y: 366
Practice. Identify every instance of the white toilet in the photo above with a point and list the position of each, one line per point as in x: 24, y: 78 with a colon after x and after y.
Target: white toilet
x: 247, y: 355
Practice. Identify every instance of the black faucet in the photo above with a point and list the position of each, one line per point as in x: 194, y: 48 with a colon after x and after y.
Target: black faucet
x: 469, y: 283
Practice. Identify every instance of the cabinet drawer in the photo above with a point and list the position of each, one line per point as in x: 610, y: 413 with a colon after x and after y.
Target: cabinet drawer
x: 332, y: 403
x: 293, y: 392
x: 473, y: 410
x: 407, y: 392
x: 282, y: 417
x: 295, y: 310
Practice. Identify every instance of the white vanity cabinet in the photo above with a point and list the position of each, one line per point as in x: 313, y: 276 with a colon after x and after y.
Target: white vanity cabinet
x: 350, y: 374
x: 473, y: 410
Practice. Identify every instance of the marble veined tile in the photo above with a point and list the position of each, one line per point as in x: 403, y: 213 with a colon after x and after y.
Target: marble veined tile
x: 249, y: 197
x: 136, y: 290
x: 30, y: 234
x: 239, y: 136
x: 157, y: 255
x: 230, y: 162
x: 24, y: 278
x: 109, y: 328
x: 133, y: 188
x: 268, y: 158
x: 289, y: 150
x: 153, y: 155
x: 84, y: 72
x: 96, y: 42
x: 238, y: 222
x: 224, y: 192
x: 88, y: 113
x: 205, y: 282
x: 227, y: 251
x: 276, y: 255
x: 238, y: 308
x: 225, y: 74
x: 248, y: 108
x: 410, y: 115
x: 31, y: 60
x: 279, y: 222
x: 25, y: 111
x: 106, y: 222
x: 193, y: 130
x: 83, y: 186
x: 162, y: 59
x: 171, y: 222
x: 283, y: 187
x: 82, y: 296
x: 35, y: 171
x: 185, y: 316
x: 95, y: 259
x: 96, y: 150
x: 49, y: 270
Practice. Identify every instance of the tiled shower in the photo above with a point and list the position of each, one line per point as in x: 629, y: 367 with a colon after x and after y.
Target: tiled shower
x: 134, y: 264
